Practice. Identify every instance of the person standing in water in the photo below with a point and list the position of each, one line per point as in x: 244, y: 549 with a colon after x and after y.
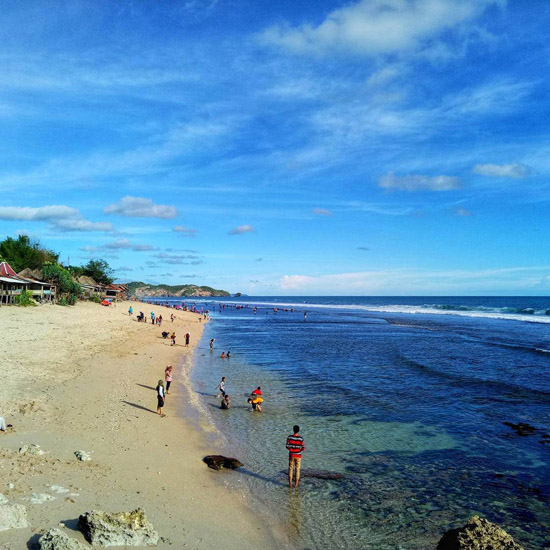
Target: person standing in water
x: 296, y: 446
x: 161, y: 396
x: 221, y: 387
x: 168, y: 377
x: 212, y: 343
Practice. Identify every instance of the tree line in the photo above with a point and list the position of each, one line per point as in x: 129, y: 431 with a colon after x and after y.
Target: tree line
x: 22, y: 253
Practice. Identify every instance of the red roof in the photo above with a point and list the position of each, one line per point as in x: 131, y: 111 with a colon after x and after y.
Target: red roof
x: 6, y: 270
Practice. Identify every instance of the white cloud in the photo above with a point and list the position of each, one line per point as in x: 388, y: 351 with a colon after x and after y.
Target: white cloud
x: 186, y: 231
x: 322, y: 212
x: 124, y: 268
x: 80, y: 224
x: 138, y: 207
x: 241, y: 229
x: 415, y: 281
x: 462, y: 212
x: 292, y: 282
x: 419, y: 182
x: 515, y: 171
x: 125, y: 244
x: 60, y: 217
x: 43, y: 213
x: 372, y: 27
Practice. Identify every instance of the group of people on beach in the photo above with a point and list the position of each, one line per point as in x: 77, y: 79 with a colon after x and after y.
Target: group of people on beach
x: 294, y: 443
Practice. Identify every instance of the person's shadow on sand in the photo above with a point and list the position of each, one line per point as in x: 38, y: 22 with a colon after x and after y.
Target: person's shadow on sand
x: 139, y: 407
x: 146, y: 387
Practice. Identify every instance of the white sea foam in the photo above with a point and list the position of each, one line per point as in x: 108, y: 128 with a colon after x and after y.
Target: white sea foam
x: 481, y: 312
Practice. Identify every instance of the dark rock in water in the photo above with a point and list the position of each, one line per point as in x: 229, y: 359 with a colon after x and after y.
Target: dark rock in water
x: 320, y: 474
x: 522, y: 428
x: 478, y: 534
x: 217, y: 462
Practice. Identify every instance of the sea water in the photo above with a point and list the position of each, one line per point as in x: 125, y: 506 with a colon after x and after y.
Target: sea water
x: 406, y: 398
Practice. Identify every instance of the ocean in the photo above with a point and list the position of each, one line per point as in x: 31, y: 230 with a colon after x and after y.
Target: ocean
x: 414, y: 401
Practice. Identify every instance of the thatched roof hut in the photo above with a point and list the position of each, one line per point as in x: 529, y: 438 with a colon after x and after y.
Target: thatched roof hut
x: 28, y: 273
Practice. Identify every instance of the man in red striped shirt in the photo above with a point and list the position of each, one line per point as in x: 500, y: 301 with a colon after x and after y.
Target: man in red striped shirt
x: 295, y: 445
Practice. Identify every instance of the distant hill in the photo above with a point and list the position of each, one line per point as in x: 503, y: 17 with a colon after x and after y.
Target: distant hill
x: 141, y: 289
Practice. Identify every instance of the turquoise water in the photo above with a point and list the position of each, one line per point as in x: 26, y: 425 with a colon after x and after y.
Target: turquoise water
x: 405, y: 397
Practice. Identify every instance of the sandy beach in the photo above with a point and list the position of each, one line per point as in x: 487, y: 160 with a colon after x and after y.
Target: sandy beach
x: 83, y: 378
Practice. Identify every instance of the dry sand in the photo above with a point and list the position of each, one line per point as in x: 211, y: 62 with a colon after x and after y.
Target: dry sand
x: 83, y: 378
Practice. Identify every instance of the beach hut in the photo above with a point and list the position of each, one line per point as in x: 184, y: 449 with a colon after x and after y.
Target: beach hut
x: 40, y: 290
x: 10, y: 284
x: 89, y: 286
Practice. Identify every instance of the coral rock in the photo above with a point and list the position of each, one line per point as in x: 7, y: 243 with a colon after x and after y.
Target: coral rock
x: 12, y: 516
x: 54, y: 539
x: 118, y: 529
x: 478, y: 534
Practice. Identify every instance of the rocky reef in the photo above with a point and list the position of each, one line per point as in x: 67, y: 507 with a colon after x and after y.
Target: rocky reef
x: 478, y: 534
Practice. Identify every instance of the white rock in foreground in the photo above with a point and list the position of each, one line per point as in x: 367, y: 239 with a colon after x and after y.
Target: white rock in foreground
x: 83, y: 456
x: 55, y: 539
x: 119, y: 529
x: 40, y: 498
x: 31, y: 449
x: 13, y: 516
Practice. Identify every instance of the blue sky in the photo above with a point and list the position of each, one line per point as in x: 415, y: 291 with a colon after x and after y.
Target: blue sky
x: 367, y: 147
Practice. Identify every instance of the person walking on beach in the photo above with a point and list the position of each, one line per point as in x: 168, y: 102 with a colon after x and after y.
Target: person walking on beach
x: 161, y: 396
x: 221, y: 387
x: 296, y: 446
x: 173, y: 338
x: 187, y: 337
x: 130, y: 311
x: 168, y: 377
x: 153, y: 317
x: 172, y: 317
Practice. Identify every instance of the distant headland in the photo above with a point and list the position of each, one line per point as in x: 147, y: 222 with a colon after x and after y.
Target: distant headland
x: 141, y: 289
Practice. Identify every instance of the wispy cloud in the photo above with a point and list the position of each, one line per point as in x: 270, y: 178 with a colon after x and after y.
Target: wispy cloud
x: 185, y: 231
x: 372, y: 27
x: 363, y: 248
x: 462, y: 212
x: 138, y: 207
x: 241, y: 230
x: 178, y: 259
x: 322, y: 212
x: 514, y: 171
x: 60, y: 218
x: 419, y: 182
x: 42, y: 213
x: 125, y: 244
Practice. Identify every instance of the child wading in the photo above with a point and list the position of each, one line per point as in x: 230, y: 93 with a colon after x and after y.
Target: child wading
x: 296, y: 446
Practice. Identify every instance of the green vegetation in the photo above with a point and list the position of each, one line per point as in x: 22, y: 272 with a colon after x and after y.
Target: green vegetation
x: 99, y: 271
x: 68, y: 290
x: 21, y: 253
x: 24, y: 299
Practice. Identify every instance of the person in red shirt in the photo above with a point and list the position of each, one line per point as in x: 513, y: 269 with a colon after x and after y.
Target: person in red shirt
x: 296, y: 446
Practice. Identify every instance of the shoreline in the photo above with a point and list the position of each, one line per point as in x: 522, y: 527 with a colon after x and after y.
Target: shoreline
x: 87, y: 382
